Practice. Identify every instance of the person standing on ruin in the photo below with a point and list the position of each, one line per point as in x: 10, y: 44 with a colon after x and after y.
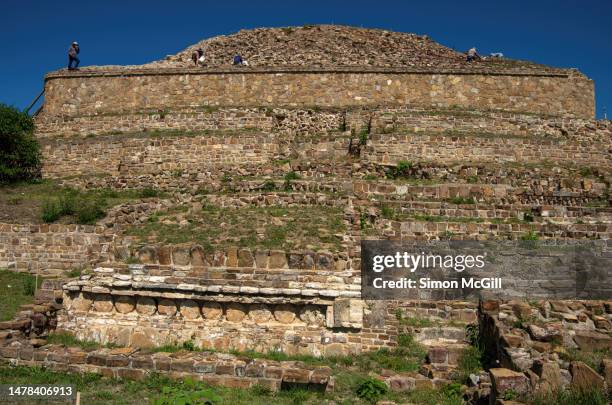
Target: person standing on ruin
x: 198, y: 57
x: 73, y: 51
x: 472, y: 54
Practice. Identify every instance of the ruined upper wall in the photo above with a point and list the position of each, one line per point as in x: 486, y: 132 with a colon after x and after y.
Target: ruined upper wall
x: 114, y: 91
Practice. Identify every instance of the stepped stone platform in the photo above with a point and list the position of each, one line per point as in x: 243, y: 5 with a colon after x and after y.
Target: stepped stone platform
x: 257, y: 184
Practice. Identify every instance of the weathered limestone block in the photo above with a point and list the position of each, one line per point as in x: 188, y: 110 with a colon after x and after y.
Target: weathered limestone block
x: 212, y: 310
x: 164, y: 255
x: 235, y: 312
x: 259, y: 313
x: 166, y: 307
x: 277, y: 260
x: 261, y: 259
x: 82, y: 303
x: 504, y: 380
x: 180, y: 255
x: 146, y: 306
x: 124, y: 304
x: 584, y: 377
x: 198, y: 257
x: 325, y: 261
x: 312, y: 315
x: 549, y: 374
x: 103, y: 303
x: 190, y: 309
x: 347, y: 313
x: 147, y: 255
x: 591, y: 340
x: 245, y: 258
x: 284, y: 313
x: 232, y: 257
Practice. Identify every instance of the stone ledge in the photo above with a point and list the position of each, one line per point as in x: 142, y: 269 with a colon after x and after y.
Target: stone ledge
x: 101, y: 71
x: 214, y: 368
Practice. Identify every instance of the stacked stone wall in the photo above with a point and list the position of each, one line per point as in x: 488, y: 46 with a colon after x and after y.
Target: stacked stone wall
x: 392, y: 148
x: 77, y: 94
x: 50, y: 249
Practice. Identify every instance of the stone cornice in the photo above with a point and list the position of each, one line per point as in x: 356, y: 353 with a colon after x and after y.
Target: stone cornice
x: 127, y: 72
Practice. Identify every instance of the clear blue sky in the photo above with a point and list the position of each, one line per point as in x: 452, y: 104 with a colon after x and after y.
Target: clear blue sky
x: 36, y: 34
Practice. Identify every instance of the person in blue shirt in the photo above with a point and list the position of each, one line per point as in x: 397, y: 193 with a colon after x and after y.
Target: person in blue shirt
x: 73, y: 51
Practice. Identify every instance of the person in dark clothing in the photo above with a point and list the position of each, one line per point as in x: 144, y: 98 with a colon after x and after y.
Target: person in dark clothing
x: 238, y: 60
x: 72, y: 56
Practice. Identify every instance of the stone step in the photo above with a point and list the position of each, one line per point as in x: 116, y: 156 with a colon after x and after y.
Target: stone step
x: 440, y: 335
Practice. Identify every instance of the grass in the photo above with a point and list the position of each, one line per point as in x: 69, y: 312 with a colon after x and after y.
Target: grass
x: 69, y: 340
x: 47, y: 201
x: 573, y: 397
x: 16, y: 289
x: 592, y: 359
x: 354, y: 383
x: 416, y: 322
x: 316, y: 228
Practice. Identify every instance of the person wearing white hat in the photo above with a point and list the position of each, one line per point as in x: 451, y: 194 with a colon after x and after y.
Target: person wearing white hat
x: 73, y: 51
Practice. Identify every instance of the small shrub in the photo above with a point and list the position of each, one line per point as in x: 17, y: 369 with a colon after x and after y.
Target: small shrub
x: 51, y: 211
x: 20, y: 157
x: 149, y: 192
x: 67, y: 204
x: 387, y: 212
x: 90, y: 211
x: 402, y: 169
x: 510, y: 395
x: 363, y: 137
x: 530, y: 236
x: 189, y: 346
x: 29, y: 286
x: 75, y: 272
x: 405, y: 340
x: 371, y: 389
x: 268, y: 186
x: 462, y: 200
x: 528, y: 217
x: 292, y: 176
x: 260, y: 390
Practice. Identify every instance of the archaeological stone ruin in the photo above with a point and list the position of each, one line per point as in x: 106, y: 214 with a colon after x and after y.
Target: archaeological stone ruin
x: 268, y: 177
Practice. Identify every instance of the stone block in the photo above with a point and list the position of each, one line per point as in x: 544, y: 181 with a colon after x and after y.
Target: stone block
x: 260, y: 313
x: 296, y: 375
x: 285, y: 313
x: 225, y: 369
x: 125, y: 304
x: 212, y: 310
x: 131, y: 374
x: 235, y: 312
x: 204, y: 367
x: 584, y: 377
x: 277, y: 260
x: 549, y: 376
x: 166, y: 307
x: 190, y: 309
x: 103, y: 303
x: 591, y: 340
x: 504, y: 379
x: 348, y: 313
x: 164, y: 255
x: 147, y: 255
x: 146, y: 306
x: 181, y: 256
x: 185, y: 365
x: 245, y: 258
x: 198, y: 256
